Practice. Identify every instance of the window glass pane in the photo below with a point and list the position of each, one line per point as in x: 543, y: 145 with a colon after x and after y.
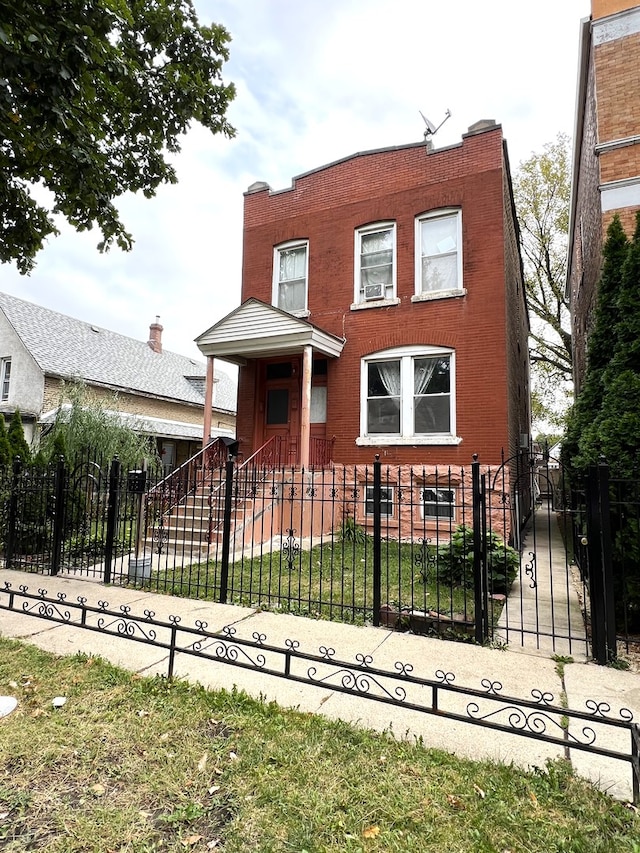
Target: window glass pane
x: 292, y: 295
x: 439, y: 249
x: 432, y: 414
x: 431, y: 375
x: 386, y: 501
x: 440, y: 273
x: 384, y: 378
x: 292, y: 278
x: 376, y: 260
x: 383, y: 415
x: 318, y: 409
x: 438, y: 503
x: 293, y: 263
x: 277, y: 406
x: 439, y: 236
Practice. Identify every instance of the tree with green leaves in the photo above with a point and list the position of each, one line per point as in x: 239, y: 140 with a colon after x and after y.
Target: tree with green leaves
x: 581, y: 445
x: 17, y: 442
x: 605, y: 421
x: 612, y: 428
x: 87, y: 428
x: 5, y: 449
x: 542, y: 187
x: 94, y: 94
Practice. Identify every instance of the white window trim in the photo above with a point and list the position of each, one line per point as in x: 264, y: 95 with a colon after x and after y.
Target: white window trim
x: 368, y: 490
x: 441, y: 213
x: 3, y: 378
x: 407, y: 354
x: 443, y: 519
x: 275, y: 287
x: 358, y: 301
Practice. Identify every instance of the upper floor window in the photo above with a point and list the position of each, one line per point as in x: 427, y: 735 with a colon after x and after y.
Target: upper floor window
x: 290, y: 270
x: 5, y: 378
x: 439, y: 254
x: 408, y: 396
x: 375, y: 263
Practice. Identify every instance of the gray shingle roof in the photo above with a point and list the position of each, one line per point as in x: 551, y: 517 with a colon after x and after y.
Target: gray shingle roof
x: 73, y: 349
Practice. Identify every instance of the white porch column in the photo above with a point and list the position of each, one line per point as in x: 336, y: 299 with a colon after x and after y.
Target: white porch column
x: 305, y: 407
x: 208, y: 402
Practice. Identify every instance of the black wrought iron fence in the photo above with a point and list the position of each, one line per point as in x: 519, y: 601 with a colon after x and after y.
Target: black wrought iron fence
x: 420, y: 548
x: 606, y: 546
x: 594, y: 729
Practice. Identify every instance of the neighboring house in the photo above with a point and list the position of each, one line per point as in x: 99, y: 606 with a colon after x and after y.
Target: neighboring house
x: 158, y: 393
x: 606, y: 154
x: 383, y: 311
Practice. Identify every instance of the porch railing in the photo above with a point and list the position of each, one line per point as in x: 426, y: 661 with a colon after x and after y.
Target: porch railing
x: 183, y: 481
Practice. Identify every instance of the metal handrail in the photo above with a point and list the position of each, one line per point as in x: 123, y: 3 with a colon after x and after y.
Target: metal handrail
x: 179, y: 483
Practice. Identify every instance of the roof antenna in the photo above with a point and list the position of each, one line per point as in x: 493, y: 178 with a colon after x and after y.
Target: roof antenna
x: 431, y: 129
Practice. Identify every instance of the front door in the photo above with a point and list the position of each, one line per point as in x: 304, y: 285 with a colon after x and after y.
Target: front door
x: 282, y: 408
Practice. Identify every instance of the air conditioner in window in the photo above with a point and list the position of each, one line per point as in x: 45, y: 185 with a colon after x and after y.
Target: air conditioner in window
x: 373, y: 291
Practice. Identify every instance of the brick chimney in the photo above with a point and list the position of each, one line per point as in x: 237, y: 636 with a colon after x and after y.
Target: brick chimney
x: 155, y: 336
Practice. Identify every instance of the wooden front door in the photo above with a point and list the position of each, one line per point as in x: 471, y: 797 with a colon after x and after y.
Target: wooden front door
x: 282, y: 407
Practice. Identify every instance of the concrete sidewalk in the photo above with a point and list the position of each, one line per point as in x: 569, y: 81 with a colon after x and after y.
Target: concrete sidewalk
x: 518, y: 673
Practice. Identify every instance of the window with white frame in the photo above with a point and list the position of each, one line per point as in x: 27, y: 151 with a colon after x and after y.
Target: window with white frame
x: 408, y: 396
x: 439, y: 253
x: 5, y: 378
x: 386, y: 500
x: 438, y: 503
x: 290, y: 269
x: 375, y: 273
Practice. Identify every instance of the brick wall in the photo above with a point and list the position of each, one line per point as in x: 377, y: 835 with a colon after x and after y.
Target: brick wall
x: 586, y: 257
x: 611, y: 113
x: 325, y: 207
x: 617, y: 70
x: 517, y: 328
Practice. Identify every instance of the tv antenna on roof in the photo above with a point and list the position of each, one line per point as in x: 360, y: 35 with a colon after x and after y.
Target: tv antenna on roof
x: 431, y: 129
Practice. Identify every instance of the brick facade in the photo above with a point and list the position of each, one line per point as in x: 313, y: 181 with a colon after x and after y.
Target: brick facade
x: 486, y: 327
x: 606, y: 168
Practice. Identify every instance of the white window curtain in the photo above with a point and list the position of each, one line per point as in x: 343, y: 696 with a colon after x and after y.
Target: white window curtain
x: 439, y: 238
x: 292, y: 279
x: 389, y: 372
x: 422, y: 373
x: 376, y: 258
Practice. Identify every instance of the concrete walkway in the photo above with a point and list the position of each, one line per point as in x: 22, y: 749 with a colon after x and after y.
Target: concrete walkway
x: 518, y: 674
x: 542, y: 614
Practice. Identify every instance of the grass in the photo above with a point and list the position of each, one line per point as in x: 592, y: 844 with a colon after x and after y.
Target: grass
x: 136, y: 765
x: 331, y: 581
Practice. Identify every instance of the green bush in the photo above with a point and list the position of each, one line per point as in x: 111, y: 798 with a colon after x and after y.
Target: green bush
x: 454, y: 560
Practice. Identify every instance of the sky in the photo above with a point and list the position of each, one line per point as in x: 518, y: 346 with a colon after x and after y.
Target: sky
x: 316, y: 80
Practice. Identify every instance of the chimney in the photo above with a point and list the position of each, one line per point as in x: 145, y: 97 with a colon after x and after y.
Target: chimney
x: 155, y: 336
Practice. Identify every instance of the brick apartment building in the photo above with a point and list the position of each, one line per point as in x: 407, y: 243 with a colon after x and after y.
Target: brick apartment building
x: 606, y: 156
x: 383, y: 310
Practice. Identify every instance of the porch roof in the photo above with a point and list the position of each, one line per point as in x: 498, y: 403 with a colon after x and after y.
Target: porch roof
x: 258, y: 330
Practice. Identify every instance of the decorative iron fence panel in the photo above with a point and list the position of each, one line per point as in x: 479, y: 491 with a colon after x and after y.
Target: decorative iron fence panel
x: 452, y: 551
x: 542, y: 718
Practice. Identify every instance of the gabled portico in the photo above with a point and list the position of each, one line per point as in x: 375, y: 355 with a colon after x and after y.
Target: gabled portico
x: 290, y: 356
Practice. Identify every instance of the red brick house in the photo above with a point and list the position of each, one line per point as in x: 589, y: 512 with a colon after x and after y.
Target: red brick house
x: 383, y: 310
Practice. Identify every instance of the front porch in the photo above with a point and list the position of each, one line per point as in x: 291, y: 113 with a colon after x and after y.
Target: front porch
x: 284, y: 363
